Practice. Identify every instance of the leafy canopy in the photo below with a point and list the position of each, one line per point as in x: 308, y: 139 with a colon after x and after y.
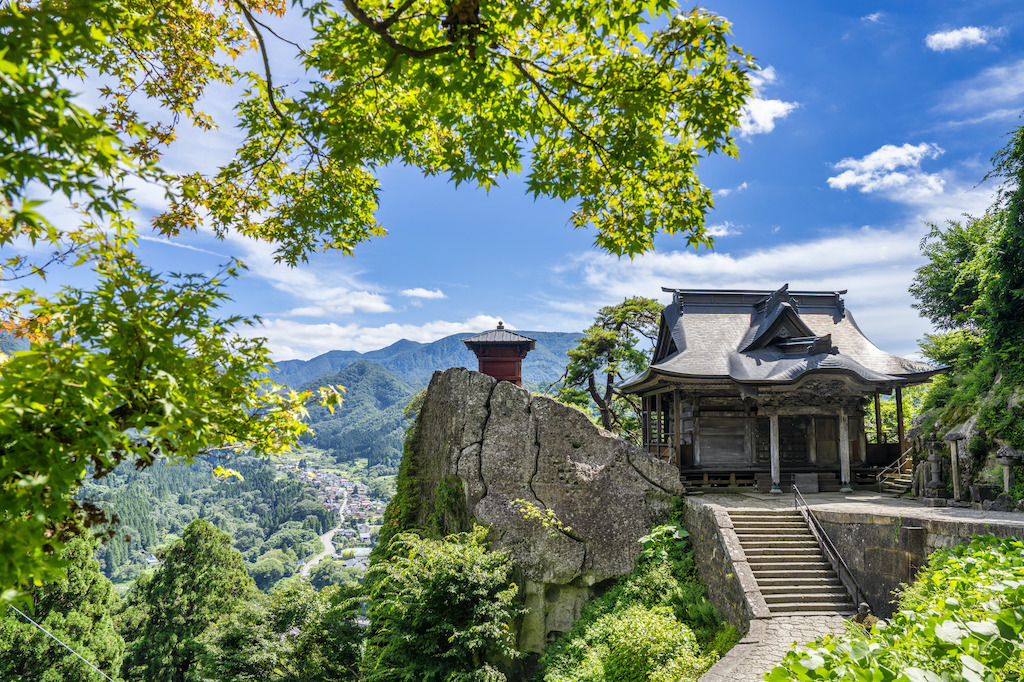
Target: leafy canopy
x: 613, y: 103
x: 201, y: 579
x: 612, y: 113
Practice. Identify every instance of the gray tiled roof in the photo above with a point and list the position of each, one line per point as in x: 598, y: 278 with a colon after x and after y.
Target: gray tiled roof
x: 735, y: 335
x: 500, y: 335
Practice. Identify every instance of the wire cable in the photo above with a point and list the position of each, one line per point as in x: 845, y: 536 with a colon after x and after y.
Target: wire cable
x: 62, y: 643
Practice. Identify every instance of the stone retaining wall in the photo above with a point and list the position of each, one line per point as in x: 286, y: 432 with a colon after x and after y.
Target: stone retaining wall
x: 883, y: 551
x: 723, y: 566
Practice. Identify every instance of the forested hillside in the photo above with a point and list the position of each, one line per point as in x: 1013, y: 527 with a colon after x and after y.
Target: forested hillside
x: 370, y: 423
x: 274, y: 522
x: 416, y: 362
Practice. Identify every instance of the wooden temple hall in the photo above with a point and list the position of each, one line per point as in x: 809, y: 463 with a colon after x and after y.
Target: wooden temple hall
x: 754, y: 387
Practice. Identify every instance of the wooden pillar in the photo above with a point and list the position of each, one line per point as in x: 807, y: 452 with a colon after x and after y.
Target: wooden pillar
x: 658, y: 420
x: 879, y: 434
x: 677, y: 439
x: 696, y: 438
x: 844, y: 450
x: 645, y: 409
x: 776, y: 458
x: 812, y: 446
x: 899, y: 419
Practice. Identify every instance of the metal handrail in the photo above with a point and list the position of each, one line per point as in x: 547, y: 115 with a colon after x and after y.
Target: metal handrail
x: 842, y: 570
x: 897, y: 465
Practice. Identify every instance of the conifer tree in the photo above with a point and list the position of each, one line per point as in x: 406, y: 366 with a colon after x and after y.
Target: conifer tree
x: 201, y: 579
x: 78, y: 611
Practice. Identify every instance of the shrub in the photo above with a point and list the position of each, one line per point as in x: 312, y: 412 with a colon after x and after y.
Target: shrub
x: 653, y: 624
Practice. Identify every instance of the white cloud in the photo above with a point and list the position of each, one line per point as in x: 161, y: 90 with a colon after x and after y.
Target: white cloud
x: 420, y: 292
x: 289, y: 339
x: 893, y: 171
x: 876, y: 266
x: 997, y: 86
x: 325, y: 291
x: 722, y: 229
x: 968, y: 36
x: 873, y: 18
x: 727, y: 191
x: 759, y: 114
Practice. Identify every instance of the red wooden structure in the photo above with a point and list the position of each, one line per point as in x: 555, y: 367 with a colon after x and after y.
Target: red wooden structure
x: 500, y: 353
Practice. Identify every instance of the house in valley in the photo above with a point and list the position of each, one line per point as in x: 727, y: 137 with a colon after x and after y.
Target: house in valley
x: 753, y: 387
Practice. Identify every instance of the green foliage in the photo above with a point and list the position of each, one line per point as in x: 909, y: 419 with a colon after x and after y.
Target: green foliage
x: 973, y: 287
x: 590, y: 89
x: 1005, y: 288
x: 914, y: 400
x: 949, y: 288
x: 960, y: 348
x: 439, y: 610
x: 450, y: 514
x: 962, y: 619
x: 78, y: 611
x: 654, y: 623
x: 151, y: 377
x: 664, y: 543
x: 293, y: 634
x: 328, y: 573
x: 607, y: 354
x: 200, y: 581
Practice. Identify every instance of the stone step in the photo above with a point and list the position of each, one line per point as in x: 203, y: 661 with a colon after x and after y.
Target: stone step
x: 779, y: 544
x: 764, y: 512
x: 801, y: 592
x: 757, y: 531
x: 811, y: 608
x: 796, y: 570
x: 780, y: 569
x: 780, y: 552
x: 829, y: 579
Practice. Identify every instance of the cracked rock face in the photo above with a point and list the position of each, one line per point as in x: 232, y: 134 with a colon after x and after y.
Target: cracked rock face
x: 505, y: 444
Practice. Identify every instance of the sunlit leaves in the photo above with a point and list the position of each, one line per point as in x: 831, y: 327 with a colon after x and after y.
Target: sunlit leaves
x: 136, y: 368
x: 606, y: 112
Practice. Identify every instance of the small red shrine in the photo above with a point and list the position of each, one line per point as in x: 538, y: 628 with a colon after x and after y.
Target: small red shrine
x: 500, y: 353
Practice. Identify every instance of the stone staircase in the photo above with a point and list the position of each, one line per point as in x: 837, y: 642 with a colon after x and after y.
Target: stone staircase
x: 899, y: 481
x: 793, y: 575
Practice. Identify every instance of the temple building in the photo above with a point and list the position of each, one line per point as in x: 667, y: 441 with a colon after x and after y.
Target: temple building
x: 754, y: 387
x: 500, y: 353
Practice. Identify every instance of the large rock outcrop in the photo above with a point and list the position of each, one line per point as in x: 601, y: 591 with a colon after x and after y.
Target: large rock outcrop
x: 522, y: 459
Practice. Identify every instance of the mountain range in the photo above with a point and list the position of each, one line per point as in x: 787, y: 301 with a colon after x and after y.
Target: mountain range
x: 416, y: 362
x: 379, y: 384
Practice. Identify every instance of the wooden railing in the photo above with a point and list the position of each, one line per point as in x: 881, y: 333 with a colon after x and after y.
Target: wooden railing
x: 831, y: 553
x: 895, y: 466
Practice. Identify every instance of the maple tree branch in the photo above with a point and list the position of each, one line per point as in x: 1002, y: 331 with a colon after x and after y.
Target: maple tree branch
x: 266, y: 62
x: 381, y: 29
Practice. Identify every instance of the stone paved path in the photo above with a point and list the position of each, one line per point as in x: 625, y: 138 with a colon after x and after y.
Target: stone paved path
x: 767, y: 642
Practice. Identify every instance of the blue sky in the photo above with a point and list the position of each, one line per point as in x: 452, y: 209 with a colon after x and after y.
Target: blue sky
x: 868, y: 121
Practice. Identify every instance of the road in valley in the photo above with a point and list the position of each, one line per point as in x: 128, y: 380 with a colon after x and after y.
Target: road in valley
x: 326, y: 539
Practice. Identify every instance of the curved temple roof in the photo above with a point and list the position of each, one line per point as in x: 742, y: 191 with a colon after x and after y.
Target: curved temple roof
x: 760, y: 337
